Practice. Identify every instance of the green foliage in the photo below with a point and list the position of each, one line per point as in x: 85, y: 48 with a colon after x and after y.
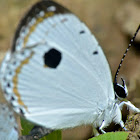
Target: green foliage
x: 56, y: 135
x: 112, y: 136
x: 27, y: 126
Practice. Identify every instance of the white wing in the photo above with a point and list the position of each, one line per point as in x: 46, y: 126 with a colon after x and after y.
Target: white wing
x: 57, y: 74
x: 8, y: 125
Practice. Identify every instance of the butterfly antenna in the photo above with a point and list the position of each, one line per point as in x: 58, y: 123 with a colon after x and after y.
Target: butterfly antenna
x: 130, y: 44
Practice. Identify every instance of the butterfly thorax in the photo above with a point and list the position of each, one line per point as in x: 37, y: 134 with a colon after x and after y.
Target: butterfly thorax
x: 111, y: 114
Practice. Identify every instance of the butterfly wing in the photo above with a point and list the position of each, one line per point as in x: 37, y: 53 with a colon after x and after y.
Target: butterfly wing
x: 8, y: 125
x: 57, y: 75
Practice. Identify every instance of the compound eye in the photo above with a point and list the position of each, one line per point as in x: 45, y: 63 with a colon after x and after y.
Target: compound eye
x: 121, y: 90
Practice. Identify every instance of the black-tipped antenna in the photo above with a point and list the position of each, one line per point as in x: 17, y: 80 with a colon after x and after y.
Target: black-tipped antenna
x: 130, y: 44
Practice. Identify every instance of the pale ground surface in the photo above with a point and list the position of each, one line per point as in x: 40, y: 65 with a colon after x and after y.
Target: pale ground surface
x: 106, y: 19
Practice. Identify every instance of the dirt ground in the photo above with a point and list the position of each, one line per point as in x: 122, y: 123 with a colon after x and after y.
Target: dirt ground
x: 112, y: 22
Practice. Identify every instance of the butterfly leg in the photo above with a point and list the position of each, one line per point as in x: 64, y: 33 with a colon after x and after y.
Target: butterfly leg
x: 122, y: 125
x: 130, y: 106
x: 103, y: 125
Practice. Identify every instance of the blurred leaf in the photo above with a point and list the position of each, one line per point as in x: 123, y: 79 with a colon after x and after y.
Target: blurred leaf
x: 56, y: 135
x: 112, y: 136
x: 26, y: 126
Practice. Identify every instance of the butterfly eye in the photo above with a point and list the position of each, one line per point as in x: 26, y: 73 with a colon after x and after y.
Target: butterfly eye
x: 52, y: 58
x: 121, y: 90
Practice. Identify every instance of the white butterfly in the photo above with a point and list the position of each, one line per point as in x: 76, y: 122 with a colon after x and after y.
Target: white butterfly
x: 56, y: 74
x: 8, y: 124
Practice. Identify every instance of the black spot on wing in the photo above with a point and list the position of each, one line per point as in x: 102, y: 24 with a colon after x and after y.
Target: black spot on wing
x: 12, y: 98
x: 64, y: 20
x: 82, y: 32
x: 3, y: 108
x: 8, y: 85
x: 21, y: 111
x: 16, y: 128
x: 10, y: 72
x: 95, y: 52
x: 10, y: 116
x: 14, y: 63
x: 52, y: 58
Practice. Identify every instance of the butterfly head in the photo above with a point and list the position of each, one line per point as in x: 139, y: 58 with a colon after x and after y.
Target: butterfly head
x: 121, y: 91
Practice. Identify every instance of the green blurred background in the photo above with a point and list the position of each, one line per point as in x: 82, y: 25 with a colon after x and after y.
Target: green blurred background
x: 112, y: 22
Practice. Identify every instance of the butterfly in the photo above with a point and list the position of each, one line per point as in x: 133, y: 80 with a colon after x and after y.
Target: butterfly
x: 56, y: 74
x: 8, y: 124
